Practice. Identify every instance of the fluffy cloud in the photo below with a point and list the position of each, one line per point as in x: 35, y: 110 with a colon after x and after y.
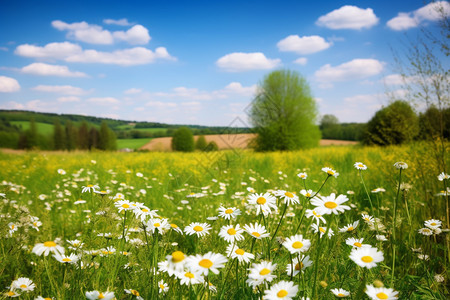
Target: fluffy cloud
x: 430, y: 12
x: 235, y: 88
x: 352, y: 70
x: 103, y: 100
x: 127, y: 57
x: 301, y: 61
x: 95, y: 34
x: 348, y: 17
x: 43, y: 69
x: 121, y: 22
x: 303, y: 45
x: 60, y: 89
x: 160, y: 104
x: 52, y: 50
x: 68, y: 99
x: 240, y: 62
x: 9, y: 85
x: 132, y: 91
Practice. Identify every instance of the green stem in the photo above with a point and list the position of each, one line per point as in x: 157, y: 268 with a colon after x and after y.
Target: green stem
x: 394, y: 227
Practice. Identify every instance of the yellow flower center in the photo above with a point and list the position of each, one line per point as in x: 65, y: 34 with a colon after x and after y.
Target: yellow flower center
x: 12, y: 226
x: 174, y: 225
x: 340, y: 295
x: 317, y: 215
x: 308, y: 195
x: 231, y: 231
x: 264, y: 271
x: 156, y: 224
x: 101, y: 296
x: 288, y: 194
x: 189, y: 275
x: 161, y: 286
x: 90, y: 185
x: 198, y: 228
x: 382, y: 296
x: 330, y: 172
x: 367, y: 259
x: 239, y: 252
x: 145, y: 210
x: 135, y: 293
x: 432, y: 224
x: 23, y: 286
x: 256, y: 234
x: 282, y: 294
x: 299, y: 266
x: 357, y: 244
x: 261, y: 200
x: 361, y: 165
x: 350, y: 228
x: 229, y: 211
x: 66, y: 259
x: 47, y: 298
x: 297, y: 245
x: 205, y: 263
x: 50, y: 244
x: 177, y: 256
x: 330, y: 204
x: 11, y: 293
x: 321, y: 229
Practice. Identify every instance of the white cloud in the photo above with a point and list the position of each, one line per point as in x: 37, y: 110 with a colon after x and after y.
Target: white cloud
x: 160, y: 104
x: 95, y: 34
x: 362, y: 99
x: 348, y: 17
x: 103, y: 100
x: 127, y: 57
x: 430, y: 12
x: 52, y: 50
x: 301, y: 61
x: 68, y: 99
x: 240, y: 62
x: 352, y: 70
x: 237, y: 89
x: 9, y: 85
x: 303, y: 45
x: 132, y: 91
x: 11, y: 105
x: 121, y: 22
x: 42, y: 69
x: 60, y: 89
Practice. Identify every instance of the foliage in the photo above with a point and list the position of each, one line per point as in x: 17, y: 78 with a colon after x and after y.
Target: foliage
x: 183, y: 140
x: 394, y: 124
x: 284, y: 112
x: 212, y: 146
x: 430, y: 123
x: 200, y: 143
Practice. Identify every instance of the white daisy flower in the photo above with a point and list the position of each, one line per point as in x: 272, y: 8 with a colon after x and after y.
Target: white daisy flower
x: 11, y: 294
x: 443, y: 176
x: 302, y: 175
x: 206, y: 263
x: 200, y: 229
x: 360, y: 166
x: 367, y: 257
x: 288, y: 197
x: 159, y: 225
x: 134, y: 293
x: 296, y: 244
x: 317, y: 217
x: 260, y: 273
x: 66, y: 259
x: 75, y: 244
x: 381, y: 293
x: 307, y: 193
x: 61, y: 172
x: 124, y: 205
x: 90, y: 188
x: 285, y: 290
x: 163, y: 287
x: 298, y: 264
x: 231, y: 233
x: 234, y: 251
x: 46, y: 248
x: 381, y: 237
x: 340, y: 293
x: 349, y: 227
x: 12, y: 228
x: 368, y: 219
x: 93, y: 295
x: 142, y: 212
x: 176, y: 262
x: 264, y: 203
x: 322, y: 230
x: 401, y: 165
x: 433, y: 224
x: 256, y: 230
x: 355, y: 243
x: 190, y: 277
x: 24, y: 284
x: 229, y: 213
x: 330, y: 172
x: 425, y: 231
x: 330, y: 204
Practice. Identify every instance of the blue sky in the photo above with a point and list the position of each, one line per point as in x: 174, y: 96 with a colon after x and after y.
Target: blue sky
x: 199, y: 62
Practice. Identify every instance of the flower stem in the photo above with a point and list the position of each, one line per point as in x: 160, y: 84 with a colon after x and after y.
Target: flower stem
x: 393, y: 227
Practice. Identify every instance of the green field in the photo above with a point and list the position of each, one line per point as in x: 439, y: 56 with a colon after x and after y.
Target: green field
x: 42, y: 128
x: 131, y: 143
x: 121, y: 250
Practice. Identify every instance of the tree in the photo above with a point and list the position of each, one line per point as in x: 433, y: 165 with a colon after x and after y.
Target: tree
x: 394, y: 124
x: 93, y: 138
x: 212, y: 146
x: 83, y: 136
x: 58, y: 136
x: 183, y: 140
x: 283, y: 113
x: 71, y: 136
x: 330, y: 127
x: 200, y: 143
x: 103, y: 137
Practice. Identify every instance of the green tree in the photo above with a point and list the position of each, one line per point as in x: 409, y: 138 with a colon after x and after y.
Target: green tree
x: 58, y: 136
x: 183, y: 140
x: 212, y: 146
x: 103, y: 137
x: 394, y: 124
x: 71, y: 136
x: 284, y: 113
x: 330, y: 127
x: 83, y: 136
x: 93, y: 138
x: 200, y: 143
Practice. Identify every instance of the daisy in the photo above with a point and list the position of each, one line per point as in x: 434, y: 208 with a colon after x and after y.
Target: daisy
x: 234, y: 251
x: 356, y: 243
x: 360, y: 166
x: 207, y: 262
x: 257, y: 231
x: 307, y: 193
x: 163, y: 287
x: 322, y: 230
x: 378, y: 190
x: 282, y: 290
x: 190, y: 277
x: 433, y: 224
x: 176, y: 262
x: 368, y: 219
x: 176, y: 228
x: 12, y: 228
x: 71, y: 259
x: 264, y: 203
x: 11, y: 293
x: 313, y: 213
x: 366, y: 256
x: 340, y: 293
x: 296, y: 244
x: 75, y: 244
x: 330, y: 204
x: 24, y: 284
x: 200, y: 229
x: 262, y: 272
x: 231, y: 233
x: 330, y: 172
x: 349, y: 227
x: 302, y: 175
x: 61, y: 172
x: 298, y: 264
x: 160, y: 225
x: 425, y: 231
x: 101, y: 193
x: 47, y: 247
x: 381, y: 237
x: 443, y: 176
x: 93, y: 295
x: 119, y: 196
x: 381, y: 293
x: 89, y: 188
x: 229, y: 213
x: 123, y: 205
x: 142, y: 212
x: 401, y: 165
x: 107, y: 251
x: 35, y: 223
x: 288, y: 197
x: 134, y: 293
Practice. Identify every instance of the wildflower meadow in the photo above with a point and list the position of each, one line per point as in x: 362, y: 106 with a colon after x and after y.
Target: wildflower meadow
x: 335, y: 222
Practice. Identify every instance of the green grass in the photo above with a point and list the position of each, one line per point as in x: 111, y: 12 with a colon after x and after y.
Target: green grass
x: 165, y: 181
x: 131, y: 143
x: 43, y: 128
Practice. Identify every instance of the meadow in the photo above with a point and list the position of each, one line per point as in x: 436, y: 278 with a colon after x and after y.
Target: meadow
x: 308, y: 224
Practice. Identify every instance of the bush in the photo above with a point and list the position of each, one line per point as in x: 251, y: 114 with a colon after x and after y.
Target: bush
x: 183, y: 140
x: 212, y: 146
x: 200, y: 143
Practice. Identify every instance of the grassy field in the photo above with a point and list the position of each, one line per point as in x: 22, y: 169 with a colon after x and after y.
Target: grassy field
x: 131, y: 143
x: 122, y: 244
x: 42, y: 128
